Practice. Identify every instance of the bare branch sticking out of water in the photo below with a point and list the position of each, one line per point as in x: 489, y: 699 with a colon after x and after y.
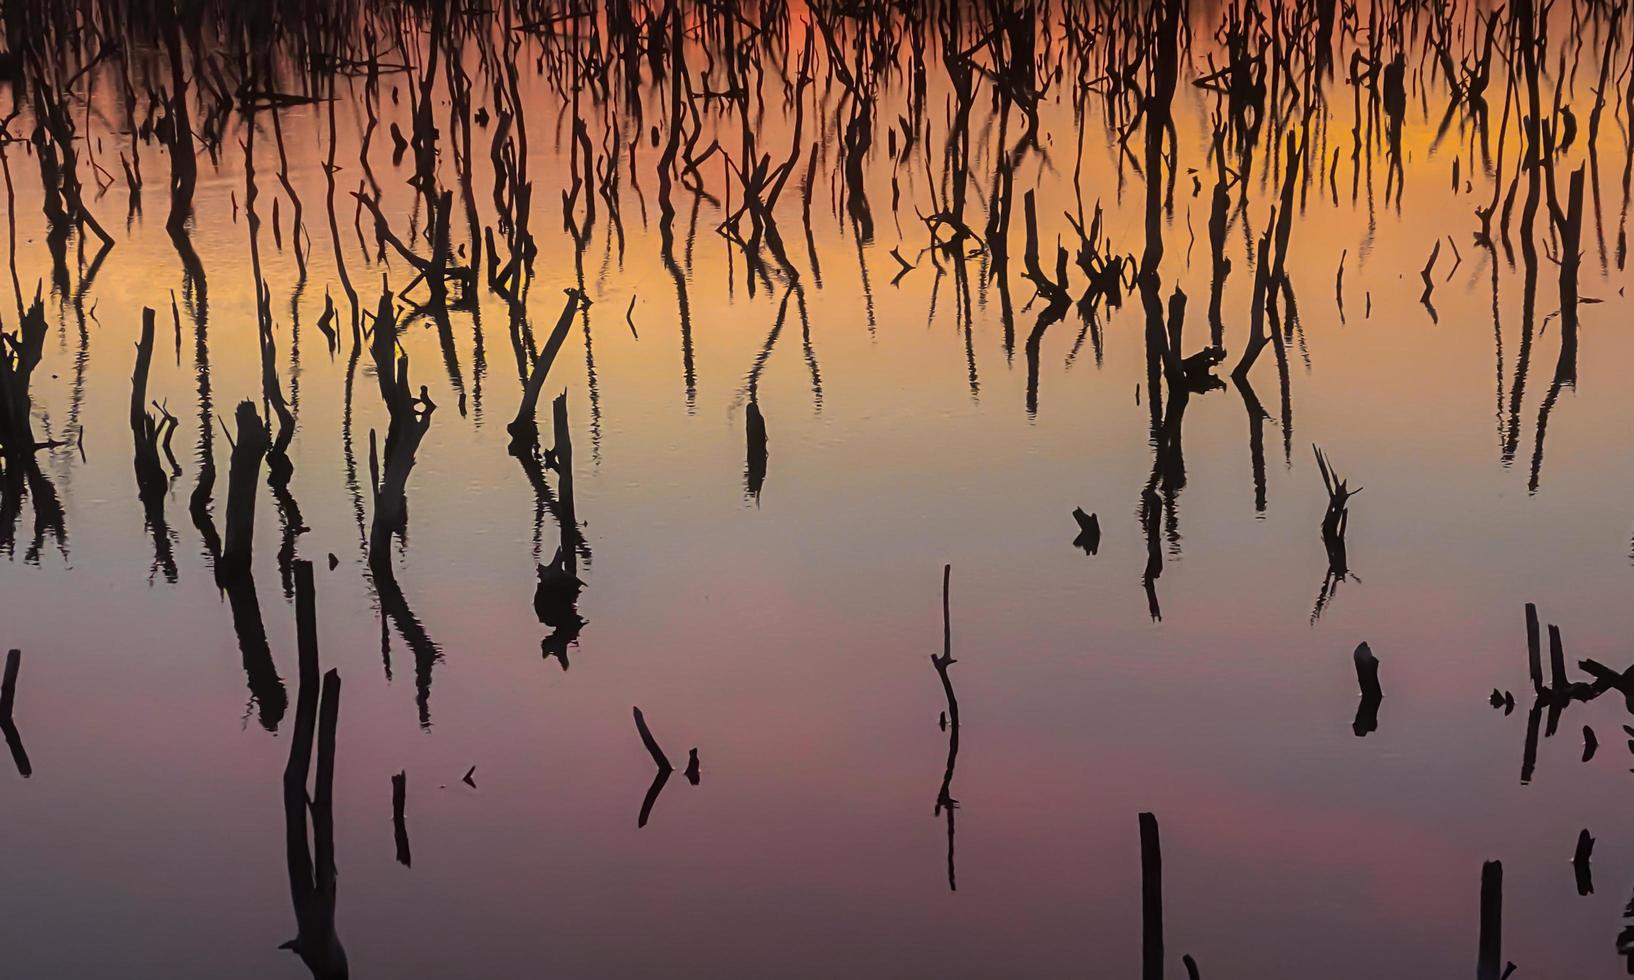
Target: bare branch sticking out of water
x: 945, y: 803
x: 8, y: 698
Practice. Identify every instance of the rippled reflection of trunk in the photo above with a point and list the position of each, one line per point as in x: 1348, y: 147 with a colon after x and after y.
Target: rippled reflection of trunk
x: 280, y: 469
x: 409, y: 419
x: 234, y: 574
x: 556, y: 596
x: 1523, y: 355
x: 243, y: 473
x: 21, y: 476
x: 1569, y: 224
x: 148, y: 434
x: 183, y: 165
x: 754, y: 471
x: 266, y: 687
x: 1053, y: 290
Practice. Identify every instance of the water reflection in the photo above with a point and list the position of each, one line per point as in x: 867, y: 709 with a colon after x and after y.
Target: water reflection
x: 409, y: 419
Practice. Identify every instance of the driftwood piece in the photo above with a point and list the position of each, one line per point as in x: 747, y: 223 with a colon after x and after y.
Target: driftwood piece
x: 1580, y: 863
x: 1089, y: 531
x: 399, y: 794
x: 658, y: 757
x: 660, y: 760
x: 1367, y: 677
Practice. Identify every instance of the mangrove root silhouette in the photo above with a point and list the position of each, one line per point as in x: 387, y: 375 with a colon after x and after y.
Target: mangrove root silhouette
x: 1337, y: 517
x: 8, y: 727
x: 524, y: 429
x: 660, y: 760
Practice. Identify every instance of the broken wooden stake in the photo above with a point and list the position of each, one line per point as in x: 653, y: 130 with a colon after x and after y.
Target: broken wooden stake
x: 1367, y: 677
x: 1534, y: 655
x: 1491, y: 936
x: 1580, y: 863
x: 1151, y: 899
x: 399, y: 793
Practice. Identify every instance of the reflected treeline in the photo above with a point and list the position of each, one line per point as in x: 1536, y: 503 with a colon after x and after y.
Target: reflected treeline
x: 675, y: 96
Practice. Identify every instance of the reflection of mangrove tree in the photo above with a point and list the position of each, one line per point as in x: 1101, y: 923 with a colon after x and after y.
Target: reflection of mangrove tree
x: 409, y: 417
x: 22, y: 477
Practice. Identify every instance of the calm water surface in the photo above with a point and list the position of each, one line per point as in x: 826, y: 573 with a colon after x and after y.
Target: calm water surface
x: 786, y: 632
